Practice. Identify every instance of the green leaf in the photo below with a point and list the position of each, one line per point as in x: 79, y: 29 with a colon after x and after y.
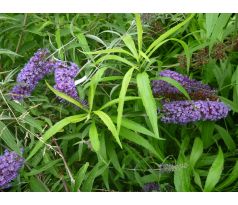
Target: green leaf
x: 84, y: 44
x: 115, y: 101
x: 197, y: 179
x: 182, y: 176
x: 186, y: 51
x: 96, y: 38
x: 66, y: 97
x: 211, y: 19
x: 57, y: 38
x: 217, y: 32
x: 53, y: 130
x: 8, y: 52
x: 132, y: 125
x: 37, y: 186
x: 113, y: 158
x: 207, y: 129
x: 127, y: 39
x: 93, y: 85
x: 139, y: 31
x: 137, y: 139
x: 8, y: 138
x: 226, y: 138
x: 108, y: 122
x: 80, y: 176
x: 196, y: 151
x: 42, y: 169
x: 116, y: 58
x: 94, y: 173
x: 148, y: 100
x: 93, y: 135
x: 182, y: 180
x: 110, y: 50
x: 215, y: 172
x: 125, y: 82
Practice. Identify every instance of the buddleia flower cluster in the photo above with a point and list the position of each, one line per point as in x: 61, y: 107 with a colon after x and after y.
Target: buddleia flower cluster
x: 182, y: 112
x: 204, y: 105
x: 64, y: 78
x: 10, y: 164
x: 195, y: 89
x: 38, y: 67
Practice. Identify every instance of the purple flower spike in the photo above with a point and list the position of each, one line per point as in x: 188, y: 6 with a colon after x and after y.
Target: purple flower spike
x: 182, y: 112
x: 10, y: 164
x: 36, y: 68
x: 195, y: 89
x: 64, y: 78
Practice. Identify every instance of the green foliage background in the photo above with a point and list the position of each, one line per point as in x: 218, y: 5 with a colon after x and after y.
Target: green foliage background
x: 118, y: 143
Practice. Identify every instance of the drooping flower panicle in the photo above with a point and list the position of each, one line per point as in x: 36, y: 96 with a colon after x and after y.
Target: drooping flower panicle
x: 39, y: 66
x: 10, y: 164
x: 196, y: 89
x: 36, y: 68
x: 182, y: 112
